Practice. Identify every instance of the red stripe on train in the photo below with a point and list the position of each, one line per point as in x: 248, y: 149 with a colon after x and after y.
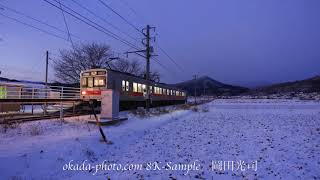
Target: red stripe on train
x: 95, y: 92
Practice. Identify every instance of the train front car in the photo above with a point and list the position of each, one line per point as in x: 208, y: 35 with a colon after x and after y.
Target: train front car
x: 92, y: 82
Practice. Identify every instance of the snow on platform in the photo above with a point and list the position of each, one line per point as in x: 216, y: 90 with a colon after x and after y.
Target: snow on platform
x: 279, y: 139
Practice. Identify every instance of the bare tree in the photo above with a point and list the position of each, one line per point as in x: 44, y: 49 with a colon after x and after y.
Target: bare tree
x: 83, y: 57
x: 88, y: 56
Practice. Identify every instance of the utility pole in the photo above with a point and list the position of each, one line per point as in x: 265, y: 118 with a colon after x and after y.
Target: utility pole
x: 148, y: 54
x: 47, y: 62
x: 195, y: 89
x: 46, y: 82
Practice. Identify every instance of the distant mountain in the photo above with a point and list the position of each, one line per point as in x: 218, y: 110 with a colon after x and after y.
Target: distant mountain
x: 252, y: 84
x: 306, y: 86
x: 208, y: 86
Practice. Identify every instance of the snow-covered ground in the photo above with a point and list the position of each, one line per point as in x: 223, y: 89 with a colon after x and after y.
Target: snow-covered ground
x: 261, y: 139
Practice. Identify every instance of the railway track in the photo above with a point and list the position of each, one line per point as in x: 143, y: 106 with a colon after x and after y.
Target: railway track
x: 37, y: 118
x: 78, y: 110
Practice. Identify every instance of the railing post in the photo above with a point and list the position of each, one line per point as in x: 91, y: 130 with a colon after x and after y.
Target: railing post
x: 73, y: 109
x: 61, y: 111
x: 32, y: 96
x: 46, y: 98
x: 61, y: 93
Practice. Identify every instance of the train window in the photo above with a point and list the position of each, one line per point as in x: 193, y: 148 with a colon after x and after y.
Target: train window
x: 127, y: 85
x: 99, y: 81
x: 86, y: 74
x: 150, y: 90
x: 135, y: 87
x: 155, y: 90
x: 84, y: 82
x: 139, y: 87
x: 144, y: 89
x: 160, y: 90
x: 168, y: 92
x: 90, y: 82
x: 93, y: 73
x: 123, y: 85
x: 164, y: 91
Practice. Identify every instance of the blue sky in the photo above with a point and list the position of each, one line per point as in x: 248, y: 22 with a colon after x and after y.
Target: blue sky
x: 232, y: 41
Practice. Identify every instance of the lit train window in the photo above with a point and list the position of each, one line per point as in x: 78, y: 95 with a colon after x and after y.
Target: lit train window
x: 144, y: 88
x: 160, y: 90
x: 90, y: 82
x: 164, y: 91
x: 86, y: 74
x: 84, y: 82
x: 135, y: 87
x: 168, y: 92
x: 127, y: 85
x: 151, y: 92
x: 139, y: 87
x: 93, y: 73
x: 99, y: 81
x: 123, y: 85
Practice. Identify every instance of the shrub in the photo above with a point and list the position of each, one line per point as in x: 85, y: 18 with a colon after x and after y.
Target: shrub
x: 35, y: 130
x: 205, y: 109
x: 195, y: 109
x: 5, y: 125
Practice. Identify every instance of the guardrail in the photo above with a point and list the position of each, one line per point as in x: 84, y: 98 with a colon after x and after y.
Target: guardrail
x: 49, y: 92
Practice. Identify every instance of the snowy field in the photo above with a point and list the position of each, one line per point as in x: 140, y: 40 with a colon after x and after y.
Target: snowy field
x: 224, y: 139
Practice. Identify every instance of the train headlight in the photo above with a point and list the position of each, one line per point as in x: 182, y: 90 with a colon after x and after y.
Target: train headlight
x: 83, y: 92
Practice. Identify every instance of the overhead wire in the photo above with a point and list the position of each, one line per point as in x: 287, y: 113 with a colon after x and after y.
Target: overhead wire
x: 161, y: 49
x: 169, y: 57
x: 118, y: 14
x: 34, y: 27
x: 92, y: 24
x: 104, y: 20
x: 66, y: 24
x: 37, y: 20
x: 133, y: 11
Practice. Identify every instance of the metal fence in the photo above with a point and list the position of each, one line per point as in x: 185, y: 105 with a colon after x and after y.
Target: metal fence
x: 49, y: 92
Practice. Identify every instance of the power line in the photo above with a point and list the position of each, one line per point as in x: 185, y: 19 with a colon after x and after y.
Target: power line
x: 92, y: 24
x: 66, y: 24
x: 133, y: 11
x: 104, y: 20
x: 164, y: 52
x: 111, y: 9
x: 29, y: 25
x: 163, y: 66
x: 37, y: 20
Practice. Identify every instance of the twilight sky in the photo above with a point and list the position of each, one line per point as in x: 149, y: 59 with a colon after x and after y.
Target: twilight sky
x: 238, y: 42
